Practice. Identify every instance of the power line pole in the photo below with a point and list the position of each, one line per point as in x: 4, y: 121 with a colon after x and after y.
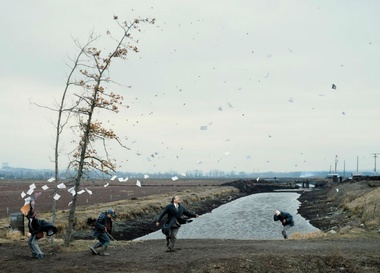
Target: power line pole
x: 375, y: 155
x: 357, y: 164
x: 344, y: 168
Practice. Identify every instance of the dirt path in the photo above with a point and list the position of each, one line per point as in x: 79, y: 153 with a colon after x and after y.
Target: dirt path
x: 317, y: 255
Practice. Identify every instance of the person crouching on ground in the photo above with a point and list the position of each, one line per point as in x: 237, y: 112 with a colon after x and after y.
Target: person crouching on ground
x: 102, y: 229
x: 286, y: 219
x: 174, y: 212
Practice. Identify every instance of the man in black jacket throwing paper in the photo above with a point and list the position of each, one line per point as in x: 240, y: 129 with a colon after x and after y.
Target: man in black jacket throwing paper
x: 174, y: 212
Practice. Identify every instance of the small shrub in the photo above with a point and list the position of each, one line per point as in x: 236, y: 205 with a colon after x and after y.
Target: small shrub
x: 14, y: 235
x: 308, y: 235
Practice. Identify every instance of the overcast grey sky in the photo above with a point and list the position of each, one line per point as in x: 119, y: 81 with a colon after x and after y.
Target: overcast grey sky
x: 241, y: 85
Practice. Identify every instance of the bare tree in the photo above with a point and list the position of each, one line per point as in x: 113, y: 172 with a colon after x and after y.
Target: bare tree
x: 63, y: 113
x: 62, y: 121
x: 94, y: 97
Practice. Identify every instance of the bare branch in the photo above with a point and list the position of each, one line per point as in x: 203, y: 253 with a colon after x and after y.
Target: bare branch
x: 93, y: 70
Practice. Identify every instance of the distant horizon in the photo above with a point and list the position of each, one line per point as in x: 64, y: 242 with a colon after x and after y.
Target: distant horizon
x: 307, y: 173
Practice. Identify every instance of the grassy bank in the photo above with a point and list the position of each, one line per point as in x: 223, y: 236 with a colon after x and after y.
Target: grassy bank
x: 344, y: 208
x: 348, y: 208
x: 135, y: 208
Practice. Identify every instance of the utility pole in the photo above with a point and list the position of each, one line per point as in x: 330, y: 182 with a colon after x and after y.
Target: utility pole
x: 336, y: 162
x: 344, y: 168
x: 357, y: 164
x: 375, y: 155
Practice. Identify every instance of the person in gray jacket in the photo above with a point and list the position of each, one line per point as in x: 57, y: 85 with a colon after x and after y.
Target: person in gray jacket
x: 102, y: 230
x: 286, y: 220
x: 175, y: 212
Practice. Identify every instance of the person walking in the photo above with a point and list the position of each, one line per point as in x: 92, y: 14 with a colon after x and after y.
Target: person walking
x: 33, y: 229
x: 36, y: 227
x: 175, y: 212
x: 102, y: 231
x: 286, y: 220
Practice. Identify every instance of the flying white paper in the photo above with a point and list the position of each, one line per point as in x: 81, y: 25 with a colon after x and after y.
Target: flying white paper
x: 113, y: 177
x: 72, y: 191
x: 27, y: 201
x: 174, y: 178
x: 138, y: 183
x: 61, y: 186
x: 44, y: 187
x: 56, y: 196
x: 51, y: 179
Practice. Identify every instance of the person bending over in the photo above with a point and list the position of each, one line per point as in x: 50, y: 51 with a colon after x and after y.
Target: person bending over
x: 286, y: 220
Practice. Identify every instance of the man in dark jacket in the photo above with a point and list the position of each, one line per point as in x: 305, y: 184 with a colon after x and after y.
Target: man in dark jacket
x: 102, y: 229
x: 174, y: 212
x: 37, y: 227
x: 286, y: 219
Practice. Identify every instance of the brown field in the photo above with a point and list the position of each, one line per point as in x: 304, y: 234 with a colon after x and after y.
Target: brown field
x: 130, y: 201
x: 11, y: 201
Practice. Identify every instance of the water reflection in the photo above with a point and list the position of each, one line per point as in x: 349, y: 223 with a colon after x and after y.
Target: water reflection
x: 249, y: 217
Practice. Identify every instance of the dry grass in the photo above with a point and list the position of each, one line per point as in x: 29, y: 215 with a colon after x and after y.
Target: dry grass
x: 357, y: 198
x: 342, y: 194
x: 367, y: 208
x: 337, y: 261
x: 349, y: 230
x: 308, y: 235
x: 360, y: 200
x: 132, y: 208
x: 14, y: 235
